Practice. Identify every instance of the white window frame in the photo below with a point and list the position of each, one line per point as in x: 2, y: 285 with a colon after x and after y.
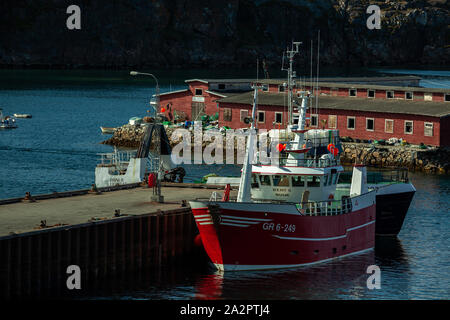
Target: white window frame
x: 385, y: 125
x: 281, y: 86
x: 367, y: 127
x: 354, y: 122
x: 263, y: 112
x: 412, y: 95
x: 432, y: 129
x: 195, y: 92
x: 265, y: 88
x: 240, y: 115
x: 275, y: 119
x: 412, y: 127
x: 374, y: 93
x: 393, y: 94
x: 356, y: 92
x: 317, y: 120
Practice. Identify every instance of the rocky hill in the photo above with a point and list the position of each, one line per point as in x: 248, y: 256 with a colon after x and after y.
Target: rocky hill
x: 206, y: 33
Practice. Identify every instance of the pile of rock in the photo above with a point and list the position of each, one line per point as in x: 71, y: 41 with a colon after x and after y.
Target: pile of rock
x: 434, y: 160
x: 127, y: 136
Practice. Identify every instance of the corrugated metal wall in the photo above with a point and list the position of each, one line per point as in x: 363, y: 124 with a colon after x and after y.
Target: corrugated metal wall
x: 35, y: 263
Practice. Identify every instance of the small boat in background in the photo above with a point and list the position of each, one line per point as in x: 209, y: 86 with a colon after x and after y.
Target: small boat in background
x: 7, y: 122
x: 19, y: 115
x: 108, y: 130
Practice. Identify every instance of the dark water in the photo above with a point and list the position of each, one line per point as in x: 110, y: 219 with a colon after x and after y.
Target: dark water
x: 57, y: 150
x: 416, y: 265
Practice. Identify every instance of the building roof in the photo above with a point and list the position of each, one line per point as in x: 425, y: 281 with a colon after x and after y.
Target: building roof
x: 357, y: 80
x: 359, y: 86
x: 415, y: 107
x: 376, y: 83
x: 221, y: 80
x: 172, y: 92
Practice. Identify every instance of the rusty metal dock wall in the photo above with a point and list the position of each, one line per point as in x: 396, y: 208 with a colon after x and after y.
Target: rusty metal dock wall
x: 35, y: 263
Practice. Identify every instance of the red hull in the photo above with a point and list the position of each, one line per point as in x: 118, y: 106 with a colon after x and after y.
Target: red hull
x: 251, y: 239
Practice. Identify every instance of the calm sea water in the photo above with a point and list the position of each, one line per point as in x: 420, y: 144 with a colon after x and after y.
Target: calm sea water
x: 57, y: 150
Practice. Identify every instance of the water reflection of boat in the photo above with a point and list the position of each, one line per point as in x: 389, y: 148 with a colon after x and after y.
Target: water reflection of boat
x: 322, y: 281
x: 389, y: 250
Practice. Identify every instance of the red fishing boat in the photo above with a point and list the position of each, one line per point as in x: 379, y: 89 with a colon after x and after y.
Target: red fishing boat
x: 287, y: 214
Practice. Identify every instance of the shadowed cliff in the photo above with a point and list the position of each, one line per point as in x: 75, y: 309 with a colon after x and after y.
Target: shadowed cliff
x: 200, y: 33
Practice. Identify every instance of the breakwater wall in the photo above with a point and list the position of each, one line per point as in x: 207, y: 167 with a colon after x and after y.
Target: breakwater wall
x: 433, y: 160
x: 34, y: 264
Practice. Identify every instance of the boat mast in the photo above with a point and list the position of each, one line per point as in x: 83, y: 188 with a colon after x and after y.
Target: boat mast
x: 291, y: 78
x: 244, y: 193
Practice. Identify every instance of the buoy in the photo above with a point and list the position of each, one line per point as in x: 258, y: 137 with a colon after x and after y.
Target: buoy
x: 163, y: 109
x: 335, y: 151
x: 281, y: 147
x: 330, y: 146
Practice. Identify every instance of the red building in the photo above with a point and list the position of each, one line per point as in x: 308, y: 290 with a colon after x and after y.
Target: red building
x: 361, y: 108
x: 201, y: 96
x: 416, y: 121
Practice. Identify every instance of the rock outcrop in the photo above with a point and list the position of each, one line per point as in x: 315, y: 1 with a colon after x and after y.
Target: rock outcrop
x: 204, y: 33
x: 434, y: 160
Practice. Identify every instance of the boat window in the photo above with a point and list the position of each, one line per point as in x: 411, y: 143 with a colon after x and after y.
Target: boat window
x: 334, y: 178
x: 280, y: 181
x: 329, y: 179
x: 276, y: 180
x: 325, y: 180
x: 313, y: 181
x: 298, y: 181
x: 255, y: 181
x: 265, y: 180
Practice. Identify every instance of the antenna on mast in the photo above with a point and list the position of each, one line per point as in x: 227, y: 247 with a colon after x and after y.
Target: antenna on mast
x: 291, y: 76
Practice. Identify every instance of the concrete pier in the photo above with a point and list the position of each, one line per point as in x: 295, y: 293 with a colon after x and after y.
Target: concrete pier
x: 34, y: 256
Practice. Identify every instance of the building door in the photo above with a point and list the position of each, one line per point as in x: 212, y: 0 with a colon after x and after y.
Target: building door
x: 198, y: 109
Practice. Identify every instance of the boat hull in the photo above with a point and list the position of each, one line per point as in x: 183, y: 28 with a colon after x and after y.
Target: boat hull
x: 393, y: 201
x: 391, y: 212
x: 250, y: 236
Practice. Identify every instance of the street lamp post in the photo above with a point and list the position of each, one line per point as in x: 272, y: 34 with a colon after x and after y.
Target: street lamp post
x: 156, y: 193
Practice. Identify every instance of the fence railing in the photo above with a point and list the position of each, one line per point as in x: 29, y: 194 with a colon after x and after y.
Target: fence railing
x: 379, y: 176
x: 325, y: 208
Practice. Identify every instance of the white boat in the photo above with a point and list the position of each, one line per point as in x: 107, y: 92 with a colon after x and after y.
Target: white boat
x: 22, y: 115
x: 108, y: 130
x: 7, y: 122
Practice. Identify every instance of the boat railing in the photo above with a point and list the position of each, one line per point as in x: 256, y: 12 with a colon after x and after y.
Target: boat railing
x: 310, y: 208
x: 379, y: 176
x: 325, y: 208
x: 116, y: 158
x: 308, y: 163
x: 152, y: 164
